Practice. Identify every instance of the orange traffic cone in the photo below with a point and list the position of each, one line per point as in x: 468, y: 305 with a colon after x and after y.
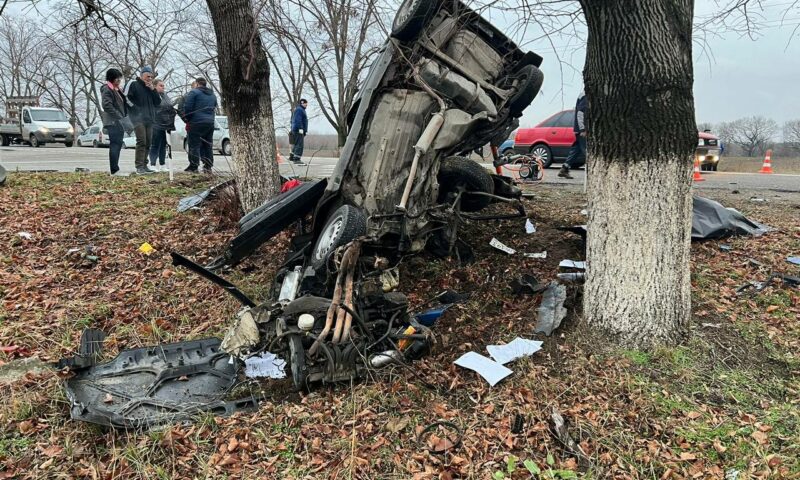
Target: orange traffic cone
x: 767, y: 167
x: 697, y: 177
x: 280, y: 157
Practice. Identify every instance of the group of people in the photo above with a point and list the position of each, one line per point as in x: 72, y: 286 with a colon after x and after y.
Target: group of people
x: 143, y: 107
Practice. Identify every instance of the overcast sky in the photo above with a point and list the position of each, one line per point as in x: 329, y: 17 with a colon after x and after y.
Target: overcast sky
x: 741, y: 77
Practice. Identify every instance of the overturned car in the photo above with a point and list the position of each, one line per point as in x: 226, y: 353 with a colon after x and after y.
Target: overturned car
x: 446, y: 83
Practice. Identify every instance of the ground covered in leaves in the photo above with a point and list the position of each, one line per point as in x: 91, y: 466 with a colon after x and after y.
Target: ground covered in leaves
x: 725, y: 401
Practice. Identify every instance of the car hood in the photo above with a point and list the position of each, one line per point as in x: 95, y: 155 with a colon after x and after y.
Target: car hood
x: 52, y: 124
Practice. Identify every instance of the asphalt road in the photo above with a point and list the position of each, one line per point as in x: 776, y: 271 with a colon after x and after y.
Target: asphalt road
x: 59, y: 158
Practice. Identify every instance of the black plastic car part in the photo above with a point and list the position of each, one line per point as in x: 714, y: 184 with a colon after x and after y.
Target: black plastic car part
x: 180, y: 261
x: 460, y: 172
x: 150, y: 386
x: 270, y: 219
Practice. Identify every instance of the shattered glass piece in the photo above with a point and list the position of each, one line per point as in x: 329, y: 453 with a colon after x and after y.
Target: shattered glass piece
x: 517, y: 348
x: 487, y: 368
x: 501, y: 246
x: 551, y: 312
x: 265, y: 365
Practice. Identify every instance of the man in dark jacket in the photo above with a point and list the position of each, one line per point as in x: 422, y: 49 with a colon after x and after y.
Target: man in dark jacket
x: 299, y: 131
x: 181, y: 107
x: 142, y: 100
x: 577, y: 154
x: 114, y: 116
x: 199, y: 109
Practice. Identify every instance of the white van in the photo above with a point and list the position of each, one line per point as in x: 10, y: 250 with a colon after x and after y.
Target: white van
x: 38, y: 127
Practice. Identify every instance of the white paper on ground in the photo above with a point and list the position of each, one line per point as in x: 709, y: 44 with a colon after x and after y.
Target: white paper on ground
x: 487, y: 368
x: 266, y: 364
x: 572, y: 264
x: 529, y: 227
x: 502, y: 247
x: 536, y: 255
x: 517, y: 348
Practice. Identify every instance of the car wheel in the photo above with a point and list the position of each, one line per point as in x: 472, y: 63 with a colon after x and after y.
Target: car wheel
x: 68, y: 144
x: 458, y: 172
x: 226, y: 148
x: 542, y: 152
x: 79, y: 143
x: 94, y: 143
x: 35, y: 141
x: 714, y: 167
x: 528, y: 80
x: 508, y: 151
x: 345, y: 225
x: 411, y: 18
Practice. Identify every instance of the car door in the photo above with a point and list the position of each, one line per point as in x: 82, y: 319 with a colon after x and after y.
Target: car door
x: 26, y: 123
x: 562, y: 135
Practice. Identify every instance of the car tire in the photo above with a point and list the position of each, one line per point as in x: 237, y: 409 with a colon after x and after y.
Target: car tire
x: 79, y: 143
x: 94, y: 143
x: 411, y: 18
x: 456, y: 172
x: 529, y: 81
x: 226, y: 148
x: 508, y: 151
x: 35, y: 143
x: 345, y: 225
x: 543, y: 152
x: 68, y: 144
x: 714, y: 167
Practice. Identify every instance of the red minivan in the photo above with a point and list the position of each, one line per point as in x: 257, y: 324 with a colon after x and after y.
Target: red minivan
x: 550, y: 140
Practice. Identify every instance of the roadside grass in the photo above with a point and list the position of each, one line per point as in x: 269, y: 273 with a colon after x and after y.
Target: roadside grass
x: 725, y: 399
x: 753, y: 164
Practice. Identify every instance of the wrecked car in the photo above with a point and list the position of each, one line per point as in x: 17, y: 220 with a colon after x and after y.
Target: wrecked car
x: 446, y: 83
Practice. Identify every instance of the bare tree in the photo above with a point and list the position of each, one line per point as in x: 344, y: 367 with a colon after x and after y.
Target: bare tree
x: 791, y: 135
x: 341, y: 41
x: 752, y: 134
x: 21, y: 65
x: 244, y: 78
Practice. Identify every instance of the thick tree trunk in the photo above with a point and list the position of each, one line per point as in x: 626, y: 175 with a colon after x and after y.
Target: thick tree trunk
x: 244, y: 80
x: 642, y: 136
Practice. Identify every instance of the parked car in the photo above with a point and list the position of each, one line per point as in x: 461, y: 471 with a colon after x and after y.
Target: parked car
x: 222, y: 139
x: 93, y: 137
x: 550, y: 140
x: 708, y: 151
x: 507, y: 147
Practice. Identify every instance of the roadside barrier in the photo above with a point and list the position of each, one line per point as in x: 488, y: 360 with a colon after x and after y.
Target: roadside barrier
x: 767, y: 166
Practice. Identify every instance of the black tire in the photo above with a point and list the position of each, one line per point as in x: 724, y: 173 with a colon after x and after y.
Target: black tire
x: 458, y: 172
x: 94, y: 143
x: 508, y: 151
x: 714, y: 167
x: 79, y: 143
x: 543, y: 152
x: 345, y: 225
x: 297, y: 362
x: 411, y: 18
x: 226, y: 148
x: 528, y: 80
x: 35, y: 143
x: 68, y: 144
x: 6, y: 141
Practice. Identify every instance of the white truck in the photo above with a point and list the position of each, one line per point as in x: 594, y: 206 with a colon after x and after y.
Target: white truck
x: 35, y: 125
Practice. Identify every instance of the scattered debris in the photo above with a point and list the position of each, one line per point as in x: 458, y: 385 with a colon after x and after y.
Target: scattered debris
x: 501, y: 246
x: 732, y: 474
x: 580, y: 265
x: 429, y: 317
x: 794, y: 260
x: 757, y: 199
x: 25, y: 235
x: 526, y: 284
x: 517, y: 348
x: 243, y: 335
x: 82, y: 170
x: 90, y: 350
x: 758, y: 287
x: 539, y: 255
x: 551, y: 312
x: 146, y: 248
x: 196, y: 199
x: 487, y: 368
x: 558, y: 427
x: 265, y: 365
x: 571, y: 277
x: 529, y: 226
x: 155, y: 398
x: 584, y: 212
x: 518, y: 424
x: 725, y: 247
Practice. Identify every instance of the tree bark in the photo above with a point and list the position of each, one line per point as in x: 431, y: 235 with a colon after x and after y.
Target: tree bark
x: 244, y: 80
x: 642, y: 136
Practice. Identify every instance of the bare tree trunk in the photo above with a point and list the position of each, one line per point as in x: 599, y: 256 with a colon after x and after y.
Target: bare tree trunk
x: 244, y: 81
x: 642, y: 136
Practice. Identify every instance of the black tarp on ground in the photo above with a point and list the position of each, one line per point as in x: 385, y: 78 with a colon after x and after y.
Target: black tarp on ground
x: 712, y: 221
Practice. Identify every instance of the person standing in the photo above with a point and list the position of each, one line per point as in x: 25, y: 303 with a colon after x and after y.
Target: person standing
x: 165, y: 123
x: 181, y: 106
x: 199, y: 109
x: 114, y: 111
x: 143, y: 99
x: 299, y: 131
x: 577, y: 154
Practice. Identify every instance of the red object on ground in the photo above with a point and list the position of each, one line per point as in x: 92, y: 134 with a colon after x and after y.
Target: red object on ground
x: 767, y: 167
x: 697, y: 177
x: 290, y: 184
